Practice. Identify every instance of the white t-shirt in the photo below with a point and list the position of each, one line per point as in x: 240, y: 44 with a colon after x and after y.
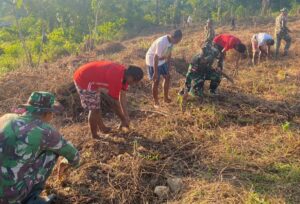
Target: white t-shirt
x: 189, y: 20
x: 262, y: 38
x: 160, y: 47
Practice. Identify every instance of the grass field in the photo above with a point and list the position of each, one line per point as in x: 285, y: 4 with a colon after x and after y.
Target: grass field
x: 240, y: 147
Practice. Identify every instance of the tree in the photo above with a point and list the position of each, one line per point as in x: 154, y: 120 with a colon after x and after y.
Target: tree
x: 265, y: 6
x: 15, y: 6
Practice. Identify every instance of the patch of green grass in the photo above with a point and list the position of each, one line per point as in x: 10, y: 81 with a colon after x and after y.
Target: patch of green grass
x: 206, y: 116
x: 286, y: 126
x: 274, y: 178
x: 289, y: 173
x: 255, y: 198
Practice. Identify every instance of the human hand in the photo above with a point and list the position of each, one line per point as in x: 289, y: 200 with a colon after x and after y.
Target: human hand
x: 63, y: 165
x: 124, y: 126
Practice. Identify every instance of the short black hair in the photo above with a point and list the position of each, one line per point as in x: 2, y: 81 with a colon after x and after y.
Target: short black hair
x: 136, y: 72
x: 270, y: 42
x: 177, y: 34
x: 241, y: 48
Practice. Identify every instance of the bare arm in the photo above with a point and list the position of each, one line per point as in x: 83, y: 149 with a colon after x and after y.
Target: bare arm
x: 268, y: 51
x: 156, y: 59
x: 123, y: 104
x: 221, y: 62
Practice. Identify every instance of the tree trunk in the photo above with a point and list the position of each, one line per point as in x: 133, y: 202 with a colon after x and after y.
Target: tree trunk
x: 177, y: 13
x: 22, y: 39
x: 265, y: 6
x: 157, y: 19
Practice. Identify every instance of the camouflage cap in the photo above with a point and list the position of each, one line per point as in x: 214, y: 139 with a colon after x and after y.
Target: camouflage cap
x: 40, y: 102
x: 284, y: 10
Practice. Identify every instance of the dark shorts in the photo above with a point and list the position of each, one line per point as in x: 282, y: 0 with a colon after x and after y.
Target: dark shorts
x: 90, y: 100
x: 162, y: 70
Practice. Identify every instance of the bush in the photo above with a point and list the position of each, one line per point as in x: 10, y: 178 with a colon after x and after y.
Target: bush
x: 240, y: 12
x: 8, y: 63
x: 111, y: 30
x: 12, y: 49
x: 149, y: 19
x: 295, y: 9
x: 8, y: 35
x: 60, y: 43
x: 57, y: 37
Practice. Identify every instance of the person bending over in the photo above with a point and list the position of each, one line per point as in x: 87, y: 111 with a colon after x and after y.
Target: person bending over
x: 261, y: 45
x: 108, y: 78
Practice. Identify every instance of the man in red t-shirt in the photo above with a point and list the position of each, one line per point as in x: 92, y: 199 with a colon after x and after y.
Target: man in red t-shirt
x: 105, y: 77
x: 225, y: 42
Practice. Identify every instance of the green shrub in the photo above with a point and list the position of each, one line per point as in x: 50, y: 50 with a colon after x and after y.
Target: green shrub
x: 8, y: 63
x: 12, y: 49
x: 149, y: 18
x: 57, y: 37
x: 111, y: 30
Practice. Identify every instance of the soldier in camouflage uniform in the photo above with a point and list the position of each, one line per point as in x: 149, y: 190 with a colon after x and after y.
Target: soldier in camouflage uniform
x: 209, y: 32
x: 282, y: 32
x: 200, y: 70
x: 29, y: 149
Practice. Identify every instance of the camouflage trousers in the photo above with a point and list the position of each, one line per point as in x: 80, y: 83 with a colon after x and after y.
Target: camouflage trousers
x: 194, y: 82
x: 32, y: 185
x: 282, y: 36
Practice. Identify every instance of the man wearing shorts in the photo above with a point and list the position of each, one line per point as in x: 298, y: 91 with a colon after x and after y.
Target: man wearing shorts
x: 111, y: 79
x: 261, y: 44
x: 157, y: 61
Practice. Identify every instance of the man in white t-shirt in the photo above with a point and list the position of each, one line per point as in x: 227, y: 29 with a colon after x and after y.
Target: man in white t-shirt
x: 157, y: 61
x: 261, y: 44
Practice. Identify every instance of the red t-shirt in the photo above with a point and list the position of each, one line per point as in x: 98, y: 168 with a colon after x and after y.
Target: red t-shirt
x: 227, y: 41
x: 101, y: 74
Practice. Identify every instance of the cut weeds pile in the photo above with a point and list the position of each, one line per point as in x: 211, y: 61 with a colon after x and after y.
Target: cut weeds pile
x: 240, y: 147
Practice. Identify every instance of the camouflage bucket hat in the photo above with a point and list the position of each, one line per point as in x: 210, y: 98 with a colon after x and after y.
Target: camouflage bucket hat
x: 284, y: 10
x: 40, y: 102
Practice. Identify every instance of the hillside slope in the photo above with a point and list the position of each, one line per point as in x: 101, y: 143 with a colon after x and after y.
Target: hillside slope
x: 241, y: 147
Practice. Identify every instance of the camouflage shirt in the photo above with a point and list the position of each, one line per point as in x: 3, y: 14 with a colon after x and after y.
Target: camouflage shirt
x: 205, y: 59
x: 209, y: 34
x: 281, y: 25
x: 26, y: 144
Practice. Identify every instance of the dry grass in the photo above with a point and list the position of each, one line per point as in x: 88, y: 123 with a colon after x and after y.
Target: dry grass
x: 242, y: 147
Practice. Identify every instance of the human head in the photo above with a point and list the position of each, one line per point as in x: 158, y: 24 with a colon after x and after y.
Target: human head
x: 133, y: 74
x: 241, y: 48
x: 43, y: 105
x: 270, y: 42
x: 176, y: 37
x: 284, y: 11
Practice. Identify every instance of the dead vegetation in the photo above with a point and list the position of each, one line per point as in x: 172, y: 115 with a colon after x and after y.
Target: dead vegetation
x: 241, y: 147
